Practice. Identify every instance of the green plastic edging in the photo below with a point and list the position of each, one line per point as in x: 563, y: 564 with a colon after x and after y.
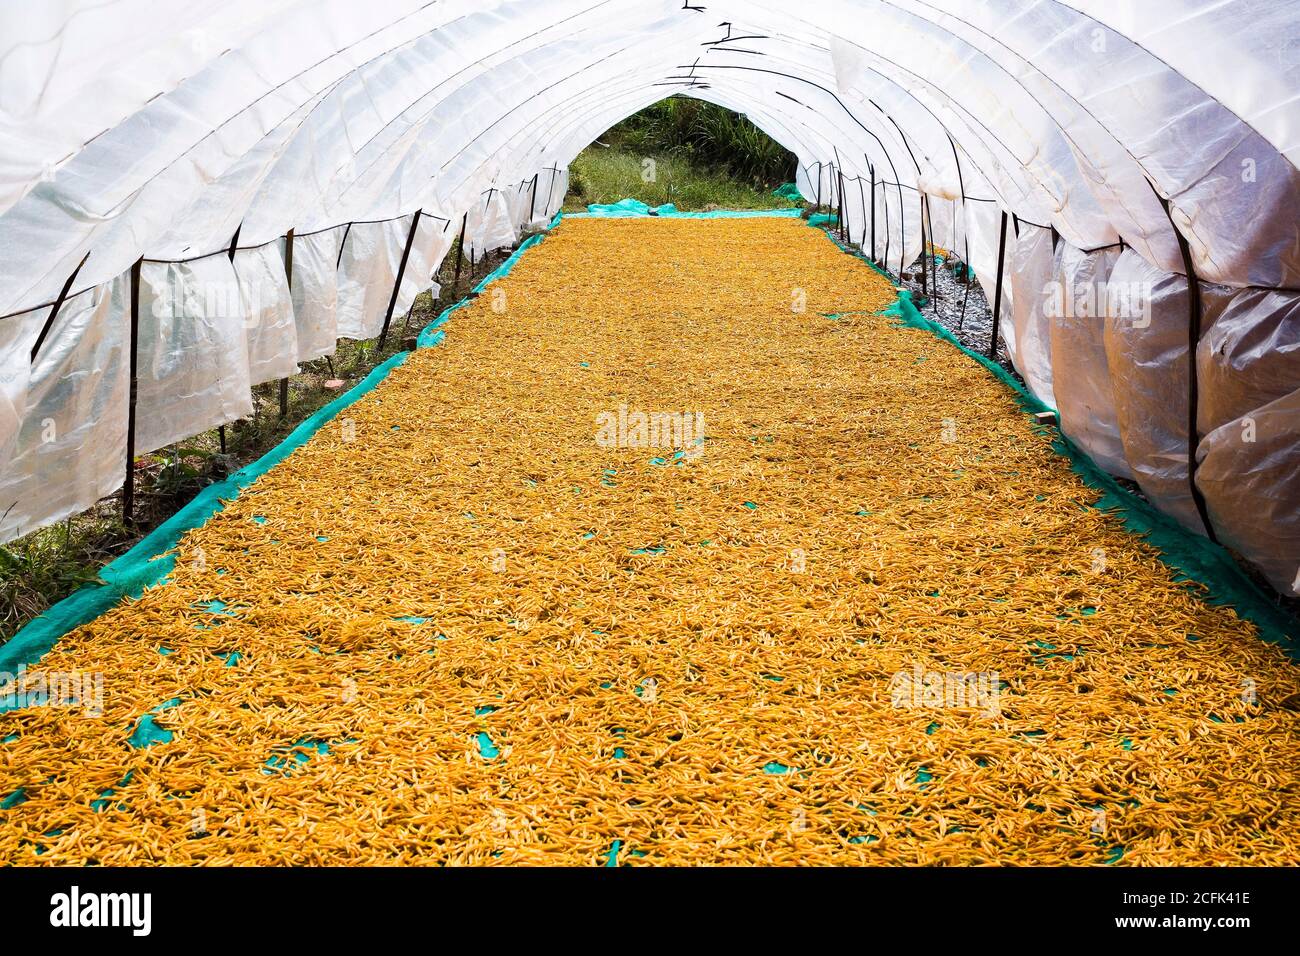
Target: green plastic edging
x: 1194, y: 558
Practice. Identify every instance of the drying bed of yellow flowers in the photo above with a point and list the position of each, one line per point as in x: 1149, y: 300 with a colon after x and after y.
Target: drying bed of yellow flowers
x: 861, y: 614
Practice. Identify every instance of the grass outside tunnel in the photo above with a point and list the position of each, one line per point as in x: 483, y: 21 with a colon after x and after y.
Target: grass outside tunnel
x: 462, y: 625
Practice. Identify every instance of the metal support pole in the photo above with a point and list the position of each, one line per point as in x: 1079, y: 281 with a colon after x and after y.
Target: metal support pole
x: 54, y: 312
x: 902, y: 228
x: 397, y: 283
x: 873, y: 215
x: 839, y: 214
x: 532, y: 204
x: 862, y: 206
x: 460, y: 251
x: 347, y: 231
x: 924, y: 288
x: 288, y: 277
x: 997, y: 289
x: 128, y: 483
x: 934, y: 282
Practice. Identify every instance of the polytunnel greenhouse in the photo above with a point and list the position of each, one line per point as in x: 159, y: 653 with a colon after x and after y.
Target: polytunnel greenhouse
x: 943, y: 507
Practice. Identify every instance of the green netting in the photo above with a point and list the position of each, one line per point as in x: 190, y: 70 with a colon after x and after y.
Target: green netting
x: 789, y: 192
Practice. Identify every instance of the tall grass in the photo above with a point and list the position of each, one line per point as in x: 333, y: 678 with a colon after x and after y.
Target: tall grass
x: 706, y: 134
x: 606, y: 175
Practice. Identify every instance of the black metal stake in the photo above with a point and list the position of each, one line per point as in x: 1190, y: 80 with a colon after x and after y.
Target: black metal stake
x: 934, y: 282
x: 397, y: 284
x: 873, y: 215
x: 128, y: 483
x: 924, y: 289
x: 839, y: 213
x: 288, y: 275
x: 54, y: 312
x: 460, y: 251
x: 997, y: 290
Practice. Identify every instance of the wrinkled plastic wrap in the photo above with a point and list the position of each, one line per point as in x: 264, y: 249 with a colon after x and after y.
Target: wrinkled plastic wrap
x: 316, y: 292
x: 489, y: 225
x: 433, y: 238
x: 192, y: 358
x: 1146, y: 342
x: 1030, y: 276
x: 17, y: 335
x: 1251, y: 484
x: 367, y: 271
x: 1085, y: 399
x: 983, y: 226
x: 269, y: 326
x: 70, y: 449
x: 1249, y: 356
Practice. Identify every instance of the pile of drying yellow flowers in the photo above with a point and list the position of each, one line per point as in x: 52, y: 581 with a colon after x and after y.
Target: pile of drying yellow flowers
x: 674, y: 552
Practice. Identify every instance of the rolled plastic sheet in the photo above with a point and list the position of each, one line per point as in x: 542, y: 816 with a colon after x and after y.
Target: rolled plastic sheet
x: 1251, y: 485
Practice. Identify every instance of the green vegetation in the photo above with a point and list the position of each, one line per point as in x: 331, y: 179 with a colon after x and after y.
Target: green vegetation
x: 606, y: 175
x: 693, y: 154
x: 707, y: 135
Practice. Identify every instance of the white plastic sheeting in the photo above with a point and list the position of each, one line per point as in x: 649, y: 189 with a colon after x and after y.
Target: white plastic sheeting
x: 1030, y: 274
x: 193, y: 353
x: 1249, y: 413
x: 315, y: 292
x: 1249, y: 477
x: 157, y: 129
x: 70, y: 447
x: 1081, y: 374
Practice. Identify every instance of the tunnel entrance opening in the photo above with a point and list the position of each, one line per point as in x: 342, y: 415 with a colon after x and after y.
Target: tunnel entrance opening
x: 686, y: 151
